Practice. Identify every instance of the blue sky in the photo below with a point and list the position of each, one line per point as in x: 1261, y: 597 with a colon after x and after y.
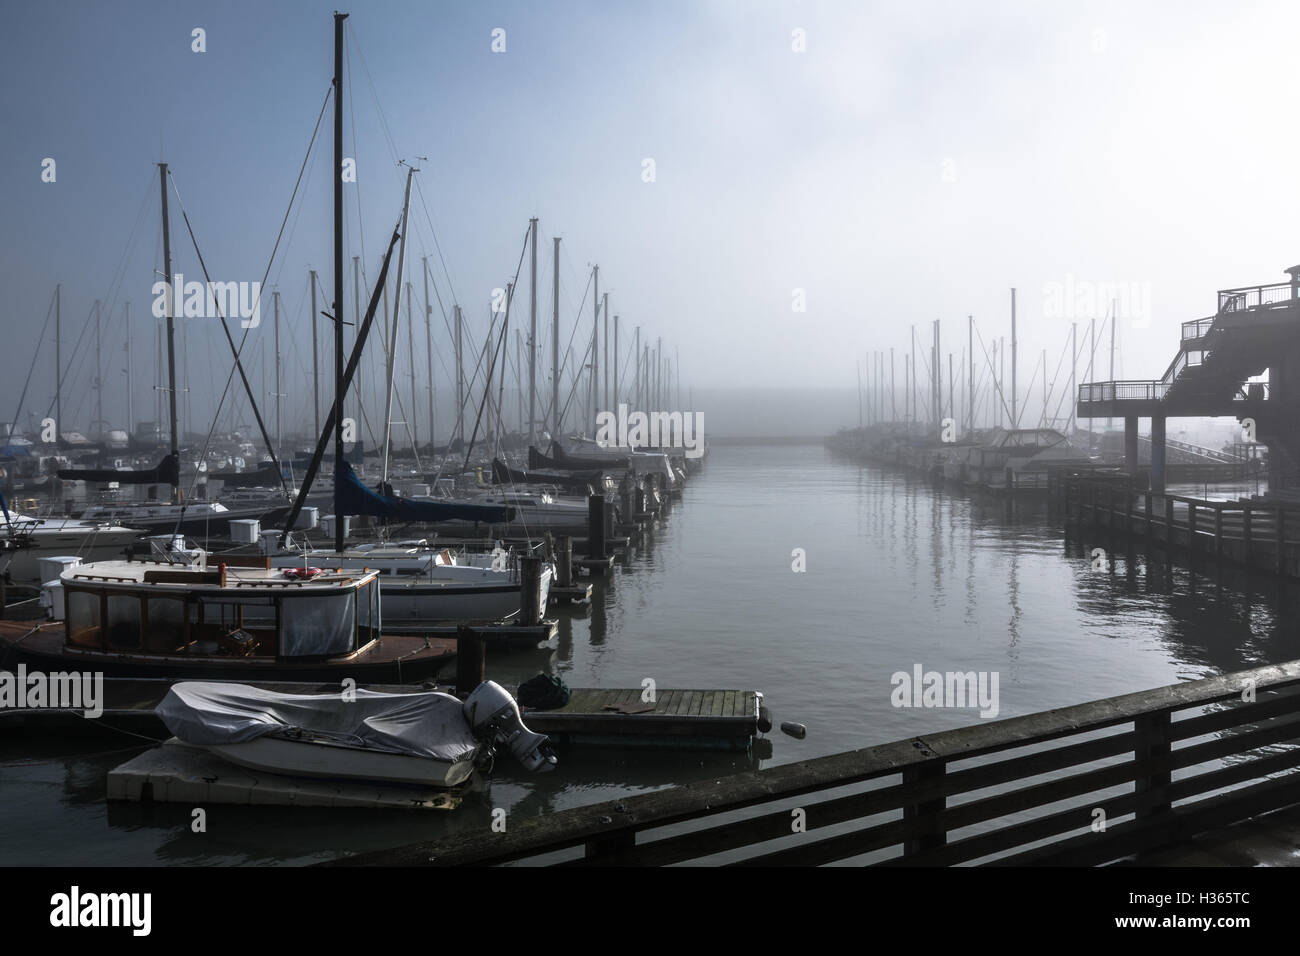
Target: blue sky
x: 914, y: 162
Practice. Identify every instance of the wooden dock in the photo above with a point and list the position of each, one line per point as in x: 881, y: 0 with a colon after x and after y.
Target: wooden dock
x: 1250, y: 534
x: 677, y: 719
x: 1089, y: 784
x: 179, y: 773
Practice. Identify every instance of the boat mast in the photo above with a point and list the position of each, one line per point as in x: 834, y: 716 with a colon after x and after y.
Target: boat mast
x: 532, y: 340
x: 460, y: 379
x: 555, y: 342
x: 279, y: 432
x: 58, y: 365
x: 397, y: 311
x: 1015, y: 413
x: 428, y: 347
x: 595, y: 343
x: 604, y: 311
x: 99, y: 377
x: 315, y: 358
x: 414, y: 427
x: 130, y: 405
x: 171, y: 323
x: 338, y: 272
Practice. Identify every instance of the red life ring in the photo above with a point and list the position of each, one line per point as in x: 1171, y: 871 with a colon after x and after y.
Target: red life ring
x: 295, y: 573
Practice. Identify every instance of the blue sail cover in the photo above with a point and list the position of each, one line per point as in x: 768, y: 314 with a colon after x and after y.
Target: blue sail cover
x: 351, y: 497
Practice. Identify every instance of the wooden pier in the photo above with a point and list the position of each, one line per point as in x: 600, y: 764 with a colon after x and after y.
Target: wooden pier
x: 1265, y: 537
x: 1082, y: 785
x: 676, y: 719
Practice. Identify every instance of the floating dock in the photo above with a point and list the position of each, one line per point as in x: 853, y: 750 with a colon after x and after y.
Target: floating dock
x: 179, y: 773
x: 676, y: 719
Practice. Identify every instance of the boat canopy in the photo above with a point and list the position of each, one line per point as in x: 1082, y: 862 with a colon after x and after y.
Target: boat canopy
x: 210, y: 713
x: 351, y: 497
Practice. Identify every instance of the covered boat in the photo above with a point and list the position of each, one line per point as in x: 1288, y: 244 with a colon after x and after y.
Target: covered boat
x: 427, y: 739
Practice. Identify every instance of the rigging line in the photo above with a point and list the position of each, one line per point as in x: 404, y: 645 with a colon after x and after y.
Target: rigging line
x: 505, y: 325
x: 231, y: 340
x: 997, y: 387
x: 238, y: 351
x: 361, y: 229
x: 22, y: 399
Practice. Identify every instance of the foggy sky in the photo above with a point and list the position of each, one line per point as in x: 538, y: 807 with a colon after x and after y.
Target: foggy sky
x: 913, y: 163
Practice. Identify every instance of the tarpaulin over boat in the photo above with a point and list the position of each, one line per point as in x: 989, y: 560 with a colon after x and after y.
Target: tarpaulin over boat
x: 210, y: 714
x: 351, y: 497
x: 168, y: 472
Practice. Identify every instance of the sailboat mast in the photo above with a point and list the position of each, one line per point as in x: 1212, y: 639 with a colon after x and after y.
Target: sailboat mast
x: 460, y: 379
x: 555, y: 342
x: 171, y: 320
x: 130, y: 404
x: 397, y: 311
x: 279, y: 433
x: 338, y: 271
x: 604, y: 311
x: 595, y: 342
x: 99, y: 376
x: 315, y: 358
x: 615, y: 403
x: 1015, y: 413
x: 532, y: 339
x: 410, y: 361
x: 58, y: 364
x: 428, y: 346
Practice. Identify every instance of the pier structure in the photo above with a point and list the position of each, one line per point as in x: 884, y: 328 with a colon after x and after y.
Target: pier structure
x: 1109, y: 781
x: 1253, y: 330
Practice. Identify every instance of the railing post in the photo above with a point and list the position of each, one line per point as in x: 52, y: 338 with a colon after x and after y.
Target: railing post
x: 1218, y: 533
x: 1246, y: 533
x: 1191, y: 527
x: 1152, y: 732
x: 925, y: 810
x: 1281, y: 541
x: 1148, y: 510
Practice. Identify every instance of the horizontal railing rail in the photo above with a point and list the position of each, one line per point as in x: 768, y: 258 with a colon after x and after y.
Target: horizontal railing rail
x: 1141, y: 390
x: 1027, y: 789
x: 1254, y: 296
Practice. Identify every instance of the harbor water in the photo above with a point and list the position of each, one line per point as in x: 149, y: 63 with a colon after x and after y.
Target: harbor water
x: 782, y: 569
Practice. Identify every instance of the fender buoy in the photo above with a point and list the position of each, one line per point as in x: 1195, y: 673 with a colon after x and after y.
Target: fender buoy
x: 764, y: 718
x: 797, y: 731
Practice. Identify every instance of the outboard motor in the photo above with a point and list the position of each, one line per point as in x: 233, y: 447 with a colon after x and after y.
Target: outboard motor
x: 493, y: 714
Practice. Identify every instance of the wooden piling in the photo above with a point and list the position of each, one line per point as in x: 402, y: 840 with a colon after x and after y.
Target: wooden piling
x: 469, y: 659
x: 564, y: 561
x: 530, y: 591
x: 596, y: 527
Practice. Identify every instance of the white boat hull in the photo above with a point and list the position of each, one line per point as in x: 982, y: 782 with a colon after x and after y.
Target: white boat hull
x: 313, y: 758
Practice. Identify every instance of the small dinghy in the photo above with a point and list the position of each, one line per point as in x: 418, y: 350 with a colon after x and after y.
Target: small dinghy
x: 426, y: 739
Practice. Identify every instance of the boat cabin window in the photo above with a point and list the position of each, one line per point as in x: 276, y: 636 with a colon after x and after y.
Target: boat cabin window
x: 83, y: 614
x: 164, y: 628
x: 368, y: 624
x: 123, y: 623
x: 318, y: 626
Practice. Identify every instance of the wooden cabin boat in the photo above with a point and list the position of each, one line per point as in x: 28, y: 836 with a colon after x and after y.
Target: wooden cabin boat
x: 163, y: 619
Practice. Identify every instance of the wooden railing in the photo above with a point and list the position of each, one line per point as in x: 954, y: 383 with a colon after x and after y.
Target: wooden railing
x: 1250, y: 533
x: 1081, y: 785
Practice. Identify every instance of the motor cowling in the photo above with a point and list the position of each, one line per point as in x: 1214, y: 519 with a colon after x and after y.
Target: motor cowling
x: 494, y: 716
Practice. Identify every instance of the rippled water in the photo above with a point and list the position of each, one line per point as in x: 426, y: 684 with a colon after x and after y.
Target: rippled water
x: 899, y: 573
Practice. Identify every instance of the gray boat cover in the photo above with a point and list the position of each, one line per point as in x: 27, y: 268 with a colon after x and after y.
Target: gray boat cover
x: 210, y: 713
